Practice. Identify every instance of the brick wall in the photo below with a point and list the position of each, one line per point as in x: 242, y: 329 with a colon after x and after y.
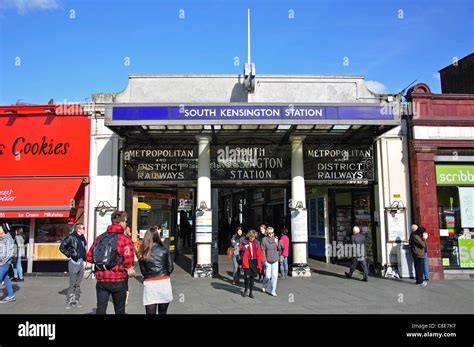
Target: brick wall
x: 426, y: 206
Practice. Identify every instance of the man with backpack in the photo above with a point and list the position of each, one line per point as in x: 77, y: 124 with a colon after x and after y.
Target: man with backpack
x: 112, y: 255
x: 74, y: 247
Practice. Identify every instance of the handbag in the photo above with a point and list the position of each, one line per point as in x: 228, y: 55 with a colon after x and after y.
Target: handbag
x: 230, y: 251
x: 131, y: 272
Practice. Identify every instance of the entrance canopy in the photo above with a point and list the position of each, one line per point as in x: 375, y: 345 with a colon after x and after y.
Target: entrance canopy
x: 37, y: 198
x: 147, y: 123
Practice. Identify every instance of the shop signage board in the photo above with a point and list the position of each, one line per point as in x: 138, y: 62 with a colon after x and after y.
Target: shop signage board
x: 250, y: 162
x: 466, y: 203
x: 160, y: 163
x: 203, y: 226
x: 220, y: 114
x: 339, y: 163
x: 50, y: 145
x: 299, y: 225
x: 455, y: 174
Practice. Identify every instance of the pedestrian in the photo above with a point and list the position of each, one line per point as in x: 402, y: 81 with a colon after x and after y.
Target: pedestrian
x: 112, y: 255
x: 74, y: 246
x: 285, y: 252
x: 271, y: 257
x: 18, y: 253
x: 418, y: 244
x: 260, y: 236
x: 156, y: 266
x: 236, y: 240
x: 359, y: 254
x: 252, y: 260
x: 130, y: 271
x: 426, y: 272
x: 184, y: 229
x: 6, y: 255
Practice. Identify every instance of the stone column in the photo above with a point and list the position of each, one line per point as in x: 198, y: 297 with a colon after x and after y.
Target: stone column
x: 300, y: 267
x: 203, y: 266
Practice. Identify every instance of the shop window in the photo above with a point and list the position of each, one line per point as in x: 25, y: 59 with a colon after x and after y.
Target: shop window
x: 454, y: 218
x: 52, y: 230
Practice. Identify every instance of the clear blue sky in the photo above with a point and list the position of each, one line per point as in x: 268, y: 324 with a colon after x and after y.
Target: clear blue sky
x: 70, y: 58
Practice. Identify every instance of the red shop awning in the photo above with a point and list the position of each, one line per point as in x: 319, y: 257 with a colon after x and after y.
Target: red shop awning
x: 37, y: 198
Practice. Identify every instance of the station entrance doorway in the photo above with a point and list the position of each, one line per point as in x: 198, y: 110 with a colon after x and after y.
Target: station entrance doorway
x: 175, y: 211
x: 248, y: 208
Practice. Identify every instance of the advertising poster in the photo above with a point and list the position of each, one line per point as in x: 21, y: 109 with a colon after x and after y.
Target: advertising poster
x: 396, y: 226
x: 466, y: 252
x: 203, y: 226
x: 103, y: 220
x: 466, y: 202
x: 299, y: 226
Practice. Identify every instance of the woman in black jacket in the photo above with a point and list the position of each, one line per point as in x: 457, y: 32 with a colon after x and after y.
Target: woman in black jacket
x: 156, y: 266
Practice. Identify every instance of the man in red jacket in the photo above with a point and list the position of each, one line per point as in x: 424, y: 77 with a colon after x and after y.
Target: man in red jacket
x: 114, y: 281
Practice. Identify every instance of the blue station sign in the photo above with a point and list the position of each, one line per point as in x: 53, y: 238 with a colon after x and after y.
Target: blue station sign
x: 230, y: 114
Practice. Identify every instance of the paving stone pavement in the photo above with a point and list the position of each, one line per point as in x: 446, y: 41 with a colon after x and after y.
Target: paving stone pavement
x: 327, y: 291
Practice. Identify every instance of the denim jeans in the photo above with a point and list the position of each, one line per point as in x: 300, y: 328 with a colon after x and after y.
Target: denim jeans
x: 426, y: 272
x: 284, y: 267
x: 17, y: 268
x: 271, y: 276
x: 237, y: 268
x: 5, y: 278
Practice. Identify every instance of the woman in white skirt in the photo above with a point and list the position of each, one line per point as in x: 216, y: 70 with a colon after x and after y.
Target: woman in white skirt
x: 156, y: 266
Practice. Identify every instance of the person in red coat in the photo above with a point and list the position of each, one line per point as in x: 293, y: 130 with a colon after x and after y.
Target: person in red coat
x: 252, y: 259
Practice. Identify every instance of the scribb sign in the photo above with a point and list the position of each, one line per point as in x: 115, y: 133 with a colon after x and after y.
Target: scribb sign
x: 455, y: 174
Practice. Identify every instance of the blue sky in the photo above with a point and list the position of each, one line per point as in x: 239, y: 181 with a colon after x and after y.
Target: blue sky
x: 45, y: 53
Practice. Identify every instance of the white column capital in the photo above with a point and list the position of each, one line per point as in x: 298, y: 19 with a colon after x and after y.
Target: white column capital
x: 203, y: 138
x: 297, y: 138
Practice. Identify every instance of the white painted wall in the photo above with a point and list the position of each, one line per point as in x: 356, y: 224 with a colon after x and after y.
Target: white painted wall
x: 103, y: 170
x: 443, y: 133
x: 393, y: 178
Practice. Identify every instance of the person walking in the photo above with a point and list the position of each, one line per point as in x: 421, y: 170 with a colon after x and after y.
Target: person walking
x: 252, y: 259
x: 6, y: 255
x: 359, y: 249
x: 271, y: 257
x: 236, y: 240
x: 417, y: 244
x: 111, y: 261
x: 285, y: 252
x: 74, y: 247
x: 18, y: 253
x: 260, y: 236
x: 156, y: 267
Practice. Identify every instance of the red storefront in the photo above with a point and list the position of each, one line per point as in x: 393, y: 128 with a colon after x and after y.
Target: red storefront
x: 44, y: 175
x: 441, y: 150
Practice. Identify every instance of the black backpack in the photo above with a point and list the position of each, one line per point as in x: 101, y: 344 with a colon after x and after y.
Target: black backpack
x: 104, y: 254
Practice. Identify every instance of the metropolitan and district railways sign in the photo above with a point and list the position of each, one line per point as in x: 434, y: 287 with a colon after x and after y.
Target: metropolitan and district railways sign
x: 245, y: 163
x: 162, y: 163
x: 328, y: 163
x: 336, y: 162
